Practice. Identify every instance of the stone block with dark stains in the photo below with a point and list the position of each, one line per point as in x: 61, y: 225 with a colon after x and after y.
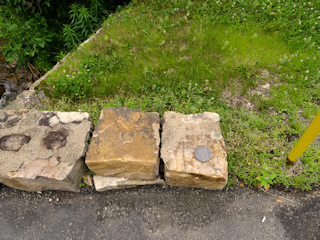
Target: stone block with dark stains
x: 43, y: 150
x: 193, y: 150
x: 125, y: 144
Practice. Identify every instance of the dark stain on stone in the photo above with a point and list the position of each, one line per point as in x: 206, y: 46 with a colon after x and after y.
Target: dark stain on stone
x: 13, y: 142
x: 2, y: 90
x: 13, y: 122
x: 56, y: 139
x: 3, y: 117
x: 75, y: 122
x: 8, y: 120
x: 45, y: 119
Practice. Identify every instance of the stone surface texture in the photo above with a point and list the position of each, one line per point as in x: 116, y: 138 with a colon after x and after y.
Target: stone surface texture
x: 43, y: 150
x: 125, y: 143
x: 181, y: 135
x: 103, y: 183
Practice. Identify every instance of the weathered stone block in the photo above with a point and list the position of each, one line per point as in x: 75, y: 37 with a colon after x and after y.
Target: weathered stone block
x: 102, y: 183
x: 125, y: 144
x: 43, y: 150
x: 185, y: 137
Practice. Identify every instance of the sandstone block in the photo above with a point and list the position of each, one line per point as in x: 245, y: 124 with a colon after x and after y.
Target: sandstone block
x: 43, y: 150
x: 102, y: 183
x: 125, y: 143
x: 188, y: 137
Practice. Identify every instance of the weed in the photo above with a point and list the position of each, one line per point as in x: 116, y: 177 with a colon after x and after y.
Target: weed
x: 77, y: 86
x: 266, y: 180
x: 83, y: 184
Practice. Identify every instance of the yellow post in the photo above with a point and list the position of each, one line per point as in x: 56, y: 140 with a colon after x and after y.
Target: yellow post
x: 306, y: 139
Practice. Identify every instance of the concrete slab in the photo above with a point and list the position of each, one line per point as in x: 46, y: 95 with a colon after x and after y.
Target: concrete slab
x: 102, y: 183
x: 125, y: 143
x: 193, y: 150
x: 43, y: 150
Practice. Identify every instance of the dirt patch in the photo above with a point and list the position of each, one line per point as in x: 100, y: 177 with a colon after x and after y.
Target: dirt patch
x: 262, y: 90
x: 235, y: 98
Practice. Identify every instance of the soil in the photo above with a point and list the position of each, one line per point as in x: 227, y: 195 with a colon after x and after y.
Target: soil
x: 160, y: 212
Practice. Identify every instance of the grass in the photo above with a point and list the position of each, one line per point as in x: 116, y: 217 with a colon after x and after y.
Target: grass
x: 195, y: 56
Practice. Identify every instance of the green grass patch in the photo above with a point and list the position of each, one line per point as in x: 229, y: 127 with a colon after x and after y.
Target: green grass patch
x: 196, y: 56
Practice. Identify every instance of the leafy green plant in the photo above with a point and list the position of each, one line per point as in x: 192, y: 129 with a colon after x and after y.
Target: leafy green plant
x: 24, y: 39
x: 83, y: 22
x: 30, y: 29
x: 83, y: 184
x: 60, y: 56
x: 266, y: 179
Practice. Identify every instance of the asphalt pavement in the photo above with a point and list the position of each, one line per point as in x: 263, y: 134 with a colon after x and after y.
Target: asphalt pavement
x: 160, y: 212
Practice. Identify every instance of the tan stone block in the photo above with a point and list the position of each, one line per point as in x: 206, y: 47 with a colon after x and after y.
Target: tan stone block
x: 181, y: 136
x: 102, y: 183
x: 125, y: 144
